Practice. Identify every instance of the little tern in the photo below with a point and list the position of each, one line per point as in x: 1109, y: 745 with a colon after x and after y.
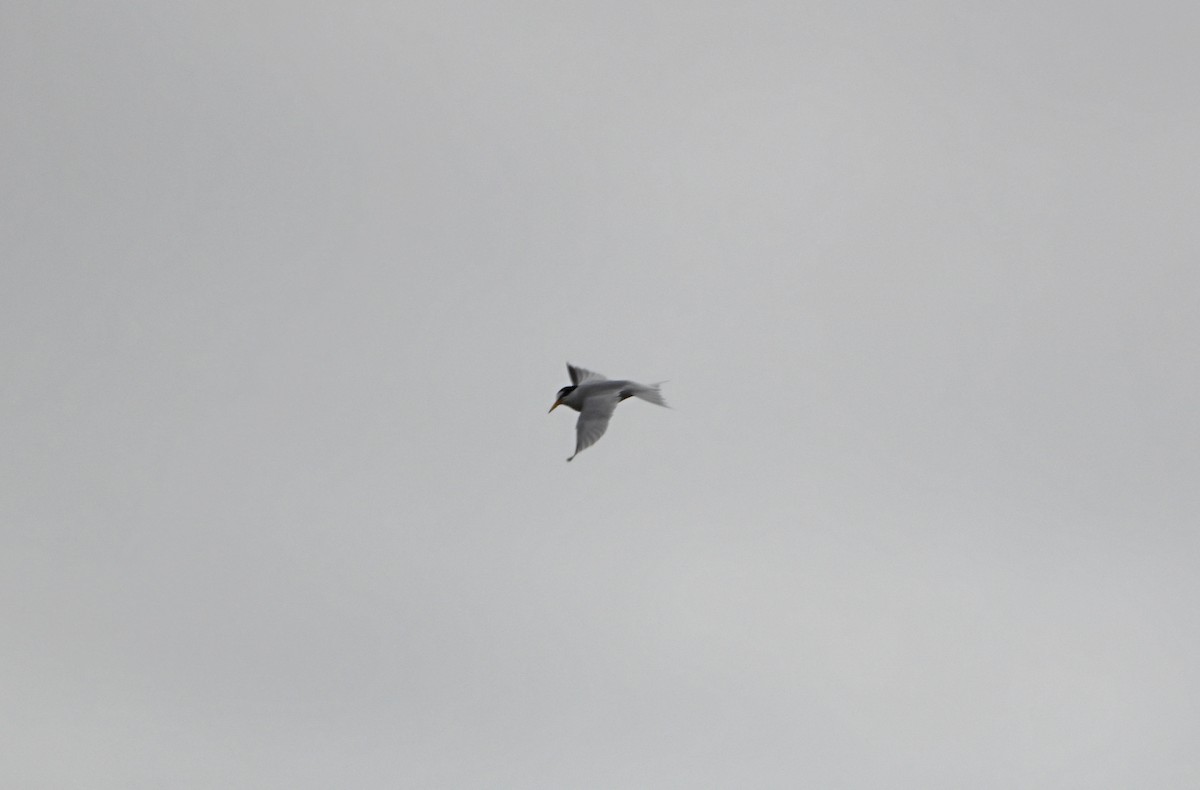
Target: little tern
x: 596, y: 398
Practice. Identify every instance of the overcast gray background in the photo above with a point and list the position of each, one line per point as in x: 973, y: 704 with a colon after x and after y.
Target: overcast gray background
x: 288, y: 289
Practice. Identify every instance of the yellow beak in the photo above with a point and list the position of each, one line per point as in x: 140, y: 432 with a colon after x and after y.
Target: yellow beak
x: 557, y: 403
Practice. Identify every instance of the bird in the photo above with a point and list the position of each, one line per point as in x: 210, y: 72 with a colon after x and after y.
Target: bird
x: 595, y: 398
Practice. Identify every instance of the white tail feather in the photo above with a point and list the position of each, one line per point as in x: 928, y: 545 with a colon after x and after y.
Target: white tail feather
x: 650, y: 393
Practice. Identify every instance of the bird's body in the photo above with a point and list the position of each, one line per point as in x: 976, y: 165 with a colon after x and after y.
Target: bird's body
x: 595, y: 398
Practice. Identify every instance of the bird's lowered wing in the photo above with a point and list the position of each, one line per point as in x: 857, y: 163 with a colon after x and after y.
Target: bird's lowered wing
x: 593, y: 420
x: 580, y: 375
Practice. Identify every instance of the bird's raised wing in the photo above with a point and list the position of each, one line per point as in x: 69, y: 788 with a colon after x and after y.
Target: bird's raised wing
x: 593, y: 419
x: 580, y: 375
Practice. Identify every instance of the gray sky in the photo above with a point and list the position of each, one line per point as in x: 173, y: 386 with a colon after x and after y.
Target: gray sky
x: 288, y: 288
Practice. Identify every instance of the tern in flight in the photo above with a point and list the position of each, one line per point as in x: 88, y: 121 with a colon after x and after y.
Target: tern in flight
x: 596, y: 398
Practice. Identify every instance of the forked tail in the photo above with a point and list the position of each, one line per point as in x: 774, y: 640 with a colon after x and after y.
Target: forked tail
x: 651, y: 393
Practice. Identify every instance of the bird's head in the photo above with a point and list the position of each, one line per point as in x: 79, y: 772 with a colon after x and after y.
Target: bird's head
x: 562, y: 393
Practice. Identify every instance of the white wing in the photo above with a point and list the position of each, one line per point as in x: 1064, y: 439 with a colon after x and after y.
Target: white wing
x: 593, y: 419
x: 580, y: 375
